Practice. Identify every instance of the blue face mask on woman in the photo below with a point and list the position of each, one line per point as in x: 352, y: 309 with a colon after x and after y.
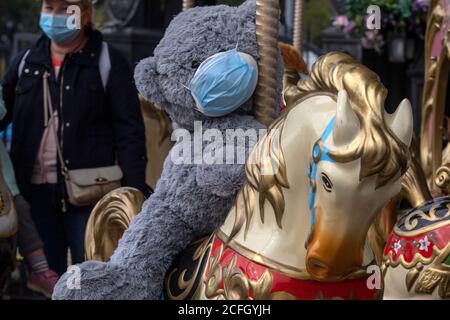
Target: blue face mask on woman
x: 56, y: 27
x: 223, y: 82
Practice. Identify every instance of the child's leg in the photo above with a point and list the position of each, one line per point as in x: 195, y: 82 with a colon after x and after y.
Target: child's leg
x: 41, y: 278
x: 28, y: 237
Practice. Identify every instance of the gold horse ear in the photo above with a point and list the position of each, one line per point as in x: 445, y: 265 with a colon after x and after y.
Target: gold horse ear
x: 401, y: 122
x: 346, y: 126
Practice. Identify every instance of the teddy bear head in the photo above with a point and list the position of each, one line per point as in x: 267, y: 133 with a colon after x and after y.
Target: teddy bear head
x: 192, y: 37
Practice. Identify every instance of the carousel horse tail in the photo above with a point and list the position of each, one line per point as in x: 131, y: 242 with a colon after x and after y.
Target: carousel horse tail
x: 292, y: 58
x: 293, y: 66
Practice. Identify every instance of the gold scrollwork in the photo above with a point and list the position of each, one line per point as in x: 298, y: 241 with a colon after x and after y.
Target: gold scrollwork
x: 412, y: 220
x: 426, y: 279
x: 442, y: 179
x: 436, y: 76
x: 186, y: 286
x: 437, y: 275
x: 418, y: 258
x: 108, y: 221
x: 236, y: 285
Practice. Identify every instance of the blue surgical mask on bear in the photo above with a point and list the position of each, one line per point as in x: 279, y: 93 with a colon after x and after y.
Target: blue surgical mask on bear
x: 223, y: 82
x: 56, y: 27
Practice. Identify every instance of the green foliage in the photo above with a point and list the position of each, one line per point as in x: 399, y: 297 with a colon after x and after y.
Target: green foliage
x: 317, y: 16
x: 25, y: 13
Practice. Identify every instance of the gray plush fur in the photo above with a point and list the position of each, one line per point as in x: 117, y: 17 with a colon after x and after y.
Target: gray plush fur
x: 190, y: 200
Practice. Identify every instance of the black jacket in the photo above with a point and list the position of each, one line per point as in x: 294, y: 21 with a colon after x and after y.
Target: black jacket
x: 96, y: 126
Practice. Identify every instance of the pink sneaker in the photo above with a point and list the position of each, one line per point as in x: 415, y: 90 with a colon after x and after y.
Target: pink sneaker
x: 43, y: 282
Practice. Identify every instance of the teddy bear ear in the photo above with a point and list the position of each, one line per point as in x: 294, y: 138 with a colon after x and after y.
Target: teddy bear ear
x: 147, y: 82
x: 249, y: 5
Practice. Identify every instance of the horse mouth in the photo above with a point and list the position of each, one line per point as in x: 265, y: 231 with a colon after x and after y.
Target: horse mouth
x: 320, y: 271
x: 333, y: 256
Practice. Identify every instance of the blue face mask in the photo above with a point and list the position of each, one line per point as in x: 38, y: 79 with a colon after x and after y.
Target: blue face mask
x: 223, y: 82
x: 55, y: 26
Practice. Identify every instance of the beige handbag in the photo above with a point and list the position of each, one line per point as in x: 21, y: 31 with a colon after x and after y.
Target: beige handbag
x: 85, y: 187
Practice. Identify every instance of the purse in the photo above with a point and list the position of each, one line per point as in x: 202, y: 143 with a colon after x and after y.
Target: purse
x: 85, y: 187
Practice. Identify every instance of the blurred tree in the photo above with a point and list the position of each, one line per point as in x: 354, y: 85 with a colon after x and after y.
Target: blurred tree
x: 317, y: 17
x: 21, y: 15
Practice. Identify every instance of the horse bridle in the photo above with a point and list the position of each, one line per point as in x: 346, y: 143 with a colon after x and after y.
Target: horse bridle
x: 319, y: 153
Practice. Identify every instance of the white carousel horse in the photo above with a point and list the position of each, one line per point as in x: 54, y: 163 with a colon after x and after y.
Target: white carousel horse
x: 416, y: 259
x: 315, y: 183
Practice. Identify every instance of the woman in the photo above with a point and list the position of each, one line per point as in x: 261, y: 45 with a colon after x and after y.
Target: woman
x: 66, y: 116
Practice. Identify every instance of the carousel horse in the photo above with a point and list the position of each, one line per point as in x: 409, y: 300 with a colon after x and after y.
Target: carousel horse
x: 416, y: 259
x: 308, y: 240
x: 315, y: 183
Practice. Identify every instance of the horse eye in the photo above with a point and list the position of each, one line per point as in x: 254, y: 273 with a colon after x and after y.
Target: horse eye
x: 195, y: 64
x: 326, y: 182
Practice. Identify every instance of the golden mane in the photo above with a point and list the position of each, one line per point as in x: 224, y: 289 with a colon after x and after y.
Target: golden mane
x: 380, y: 151
x: 266, y: 175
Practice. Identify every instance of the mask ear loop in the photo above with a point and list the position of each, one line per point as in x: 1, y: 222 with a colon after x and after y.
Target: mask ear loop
x: 196, y: 108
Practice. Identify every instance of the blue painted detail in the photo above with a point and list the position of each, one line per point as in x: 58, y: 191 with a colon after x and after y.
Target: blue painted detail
x: 312, y: 169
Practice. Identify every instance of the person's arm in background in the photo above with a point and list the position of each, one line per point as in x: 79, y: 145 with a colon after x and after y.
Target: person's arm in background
x: 9, y: 89
x: 128, y: 124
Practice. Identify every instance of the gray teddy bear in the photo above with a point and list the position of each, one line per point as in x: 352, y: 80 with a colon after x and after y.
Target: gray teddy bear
x: 190, y: 200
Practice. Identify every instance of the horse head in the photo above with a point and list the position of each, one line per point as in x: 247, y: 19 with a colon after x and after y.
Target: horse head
x: 335, y: 159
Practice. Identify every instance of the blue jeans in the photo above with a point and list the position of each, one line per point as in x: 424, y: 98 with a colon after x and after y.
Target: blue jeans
x: 59, y: 230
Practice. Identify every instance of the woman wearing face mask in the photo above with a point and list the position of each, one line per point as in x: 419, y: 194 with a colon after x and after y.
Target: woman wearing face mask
x: 68, y: 116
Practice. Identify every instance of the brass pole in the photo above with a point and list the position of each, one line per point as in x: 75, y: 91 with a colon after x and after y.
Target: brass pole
x: 267, y: 22
x: 187, y: 4
x: 298, y: 26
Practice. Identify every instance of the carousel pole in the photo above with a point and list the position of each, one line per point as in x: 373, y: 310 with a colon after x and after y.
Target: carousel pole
x: 267, y: 22
x: 298, y: 23
x: 187, y: 4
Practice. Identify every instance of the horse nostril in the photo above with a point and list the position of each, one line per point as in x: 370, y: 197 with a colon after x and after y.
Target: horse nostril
x: 318, y: 268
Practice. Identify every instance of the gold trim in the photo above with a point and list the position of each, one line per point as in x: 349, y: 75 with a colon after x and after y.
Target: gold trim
x: 414, y: 182
x: 186, y: 285
x: 296, y: 273
x: 437, y: 275
x: 442, y: 179
x: 411, y: 224
x: 416, y: 259
x: 412, y: 276
x: 108, y: 221
x: 435, y: 87
x: 236, y: 284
